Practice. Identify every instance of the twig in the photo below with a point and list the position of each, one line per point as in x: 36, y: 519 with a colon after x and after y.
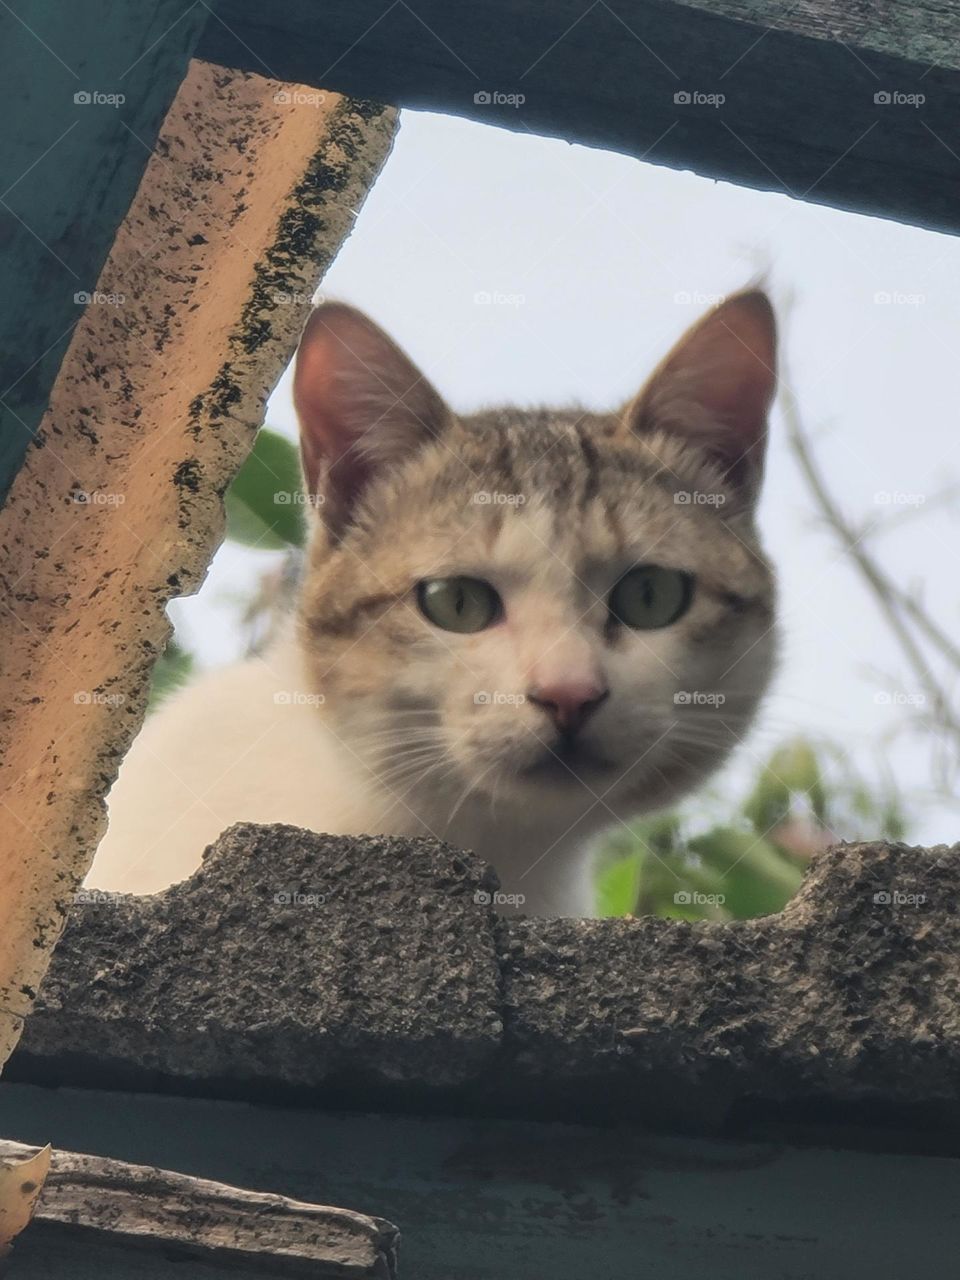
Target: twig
x: 892, y: 601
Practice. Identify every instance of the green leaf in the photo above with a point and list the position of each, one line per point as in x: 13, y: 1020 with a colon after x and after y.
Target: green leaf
x: 618, y: 886
x: 755, y: 878
x: 659, y: 834
x: 893, y: 827
x: 893, y: 821
x: 810, y: 788
x: 798, y: 765
x: 792, y: 770
x: 171, y: 670
x: 265, y: 506
x: 769, y: 801
x: 679, y: 891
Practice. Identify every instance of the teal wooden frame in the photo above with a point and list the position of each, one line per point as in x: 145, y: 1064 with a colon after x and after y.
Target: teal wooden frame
x: 514, y: 1200
x: 817, y: 103
x: 71, y: 158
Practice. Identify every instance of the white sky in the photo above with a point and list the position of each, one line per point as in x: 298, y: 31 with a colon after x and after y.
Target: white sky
x: 597, y: 247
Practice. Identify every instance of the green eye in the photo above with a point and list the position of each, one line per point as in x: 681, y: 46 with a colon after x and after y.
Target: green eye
x: 459, y: 604
x: 650, y: 596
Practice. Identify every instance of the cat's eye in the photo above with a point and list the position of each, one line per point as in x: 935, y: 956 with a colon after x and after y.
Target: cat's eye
x: 459, y: 604
x: 650, y: 596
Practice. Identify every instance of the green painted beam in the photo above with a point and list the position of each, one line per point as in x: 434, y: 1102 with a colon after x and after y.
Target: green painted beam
x: 494, y: 1200
x: 855, y: 107
x: 84, y: 89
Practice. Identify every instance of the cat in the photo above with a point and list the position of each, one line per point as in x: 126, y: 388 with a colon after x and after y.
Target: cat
x: 515, y: 628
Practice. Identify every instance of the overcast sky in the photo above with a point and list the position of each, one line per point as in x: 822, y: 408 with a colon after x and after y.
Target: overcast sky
x: 596, y: 263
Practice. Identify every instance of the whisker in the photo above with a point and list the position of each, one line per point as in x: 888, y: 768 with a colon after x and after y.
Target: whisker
x: 408, y: 767
x: 471, y: 786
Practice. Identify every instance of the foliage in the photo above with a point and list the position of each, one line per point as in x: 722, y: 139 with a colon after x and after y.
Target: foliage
x: 264, y: 509
x: 752, y: 863
x: 265, y: 501
x: 171, y: 670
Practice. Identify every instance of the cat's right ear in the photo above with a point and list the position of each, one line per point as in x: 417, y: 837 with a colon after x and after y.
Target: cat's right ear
x: 715, y: 388
x: 362, y: 405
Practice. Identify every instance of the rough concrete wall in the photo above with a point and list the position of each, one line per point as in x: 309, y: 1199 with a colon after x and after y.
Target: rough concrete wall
x: 374, y: 970
x: 251, y: 190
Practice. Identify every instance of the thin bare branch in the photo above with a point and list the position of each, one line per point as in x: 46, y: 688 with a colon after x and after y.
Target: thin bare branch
x: 898, y: 608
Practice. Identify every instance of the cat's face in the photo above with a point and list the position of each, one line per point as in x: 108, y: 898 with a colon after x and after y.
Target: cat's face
x: 536, y: 608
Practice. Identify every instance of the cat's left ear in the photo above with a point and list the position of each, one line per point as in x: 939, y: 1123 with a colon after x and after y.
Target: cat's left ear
x: 363, y: 405
x: 716, y: 386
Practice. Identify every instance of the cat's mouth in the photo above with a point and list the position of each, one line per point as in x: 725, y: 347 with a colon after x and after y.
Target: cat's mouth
x: 566, y: 760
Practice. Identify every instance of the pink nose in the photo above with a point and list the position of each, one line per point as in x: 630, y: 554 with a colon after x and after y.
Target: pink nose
x: 569, y: 703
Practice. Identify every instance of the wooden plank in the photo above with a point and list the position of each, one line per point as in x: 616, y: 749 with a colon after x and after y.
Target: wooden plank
x: 817, y: 100
x: 84, y: 90
x: 241, y: 209
x: 165, y: 1212
x: 479, y: 1199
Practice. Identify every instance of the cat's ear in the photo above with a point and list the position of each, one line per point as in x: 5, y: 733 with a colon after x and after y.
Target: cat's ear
x: 362, y: 405
x: 716, y: 386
